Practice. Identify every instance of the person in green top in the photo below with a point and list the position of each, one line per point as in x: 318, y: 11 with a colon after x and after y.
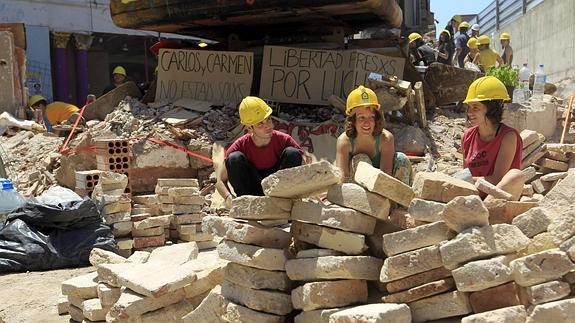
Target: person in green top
x: 365, y: 136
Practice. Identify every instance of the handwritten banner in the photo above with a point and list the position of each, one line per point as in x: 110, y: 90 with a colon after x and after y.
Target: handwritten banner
x: 311, y: 76
x: 213, y: 76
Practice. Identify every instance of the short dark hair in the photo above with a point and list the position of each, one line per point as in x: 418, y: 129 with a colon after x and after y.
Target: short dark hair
x: 44, y: 102
x: 350, y: 130
x: 494, y: 111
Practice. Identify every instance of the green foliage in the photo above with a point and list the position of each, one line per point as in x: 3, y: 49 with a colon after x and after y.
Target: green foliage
x: 508, y: 75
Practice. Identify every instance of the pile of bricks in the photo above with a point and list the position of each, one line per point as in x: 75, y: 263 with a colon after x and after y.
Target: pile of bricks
x: 149, y: 227
x: 114, y: 155
x: 163, y: 285
x: 86, y: 180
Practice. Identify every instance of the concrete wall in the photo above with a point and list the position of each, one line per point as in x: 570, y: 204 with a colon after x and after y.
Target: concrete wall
x: 544, y: 35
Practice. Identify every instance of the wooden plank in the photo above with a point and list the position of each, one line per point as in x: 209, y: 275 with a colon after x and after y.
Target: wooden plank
x: 420, y: 103
x: 567, y: 121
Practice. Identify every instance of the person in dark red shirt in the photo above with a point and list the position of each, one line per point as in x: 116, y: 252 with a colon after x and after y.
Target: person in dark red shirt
x: 257, y: 154
x: 492, y: 149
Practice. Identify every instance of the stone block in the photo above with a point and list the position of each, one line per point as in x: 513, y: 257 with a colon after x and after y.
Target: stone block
x: 376, y: 181
x: 482, y: 274
x: 153, y: 241
x: 209, y: 269
x: 131, y: 304
x: 178, y: 182
x: 424, y: 210
x: 166, y: 199
x: 355, y: 197
x: 204, y: 245
x: 176, y: 254
x: 148, y: 232
x: 569, y: 247
x: 464, y: 212
x: 333, y: 216
x: 541, y: 242
x: 252, y: 256
x: 558, y: 311
x: 314, y: 253
x: 125, y: 243
x: 255, y: 278
x: 63, y: 305
x: 135, y: 217
x: 541, y: 267
x: 170, y: 313
x: 375, y: 240
x: 122, y: 229
x: 410, y: 263
x: 440, y: 187
x: 117, y: 207
x: 111, y: 218
x: 510, y: 314
x: 334, y: 267
x: 496, y: 297
x: 155, y: 221
x: 76, y: 301
x: 401, y: 219
x: 302, y: 181
x: 547, y: 292
x: 212, y: 309
x: 552, y: 177
x: 416, y: 238
x: 553, y: 164
x: 239, y: 314
x: 187, y: 218
x: 419, y: 292
x: 260, y: 208
x: 157, y: 278
x: 440, y: 306
x: 527, y: 190
x: 93, y: 310
x: 83, y: 286
x: 190, y: 200
x: 187, y: 228
x: 196, y: 236
x: 373, y: 313
x: 528, y: 137
x: 183, y: 191
x: 268, y: 301
x: 248, y: 233
x: 186, y: 208
x: 329, y: 294
x: 502, y: 211
x: 108, y: 294
x: 346, y: 242
x: 100, y: 256
x: 532, y: 222
x: 476, y: 243
x: 417, y: 280
x: 562, y: 227
x: 76, y: 313
x: 108, y: 273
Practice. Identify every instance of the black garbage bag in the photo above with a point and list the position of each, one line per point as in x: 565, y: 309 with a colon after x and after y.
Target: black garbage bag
x: 44, y: 237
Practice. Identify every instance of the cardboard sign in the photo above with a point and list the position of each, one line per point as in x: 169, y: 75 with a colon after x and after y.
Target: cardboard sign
x: 311, y: 76
x: 213, y: 76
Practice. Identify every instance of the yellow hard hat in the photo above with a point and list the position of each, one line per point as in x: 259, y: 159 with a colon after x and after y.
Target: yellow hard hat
x: 464, y: 24
x: 35, y: 99
x: 413, y: 37
x: 253, y: 110
x: 483, y: 40
x: 360, y: 97
x: 504, y: 36
x: 486, y: 88
x: 456, y: 18
x: 119, y: 70
x: 472, y: 42
x: 445, y: 31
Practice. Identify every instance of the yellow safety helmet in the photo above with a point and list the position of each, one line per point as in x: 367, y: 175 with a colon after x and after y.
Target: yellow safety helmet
x: 413, y: 37
x: 119, y: 70
x: 445, y: 31
x: 456, y: 18
x: 464, y: 24
x: 504, y: 36
x: 486, y: 88
x: 472, y: 43
x: 483, y: 40
x: 253, y: 110
x: 35, y: 99
x: 360, y: 97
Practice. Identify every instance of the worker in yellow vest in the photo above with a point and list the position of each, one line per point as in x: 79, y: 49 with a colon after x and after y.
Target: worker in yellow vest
x: 487, y: 57
x: 55, y: 112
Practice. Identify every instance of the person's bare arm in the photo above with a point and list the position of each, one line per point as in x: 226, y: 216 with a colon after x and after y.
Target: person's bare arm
x: 455, y: 61
x: 221, y: 181
x: 504, y: 158
x: 342, y: 151
x: 442, y: 54
x: 387, y: 152
x: 500, y: 61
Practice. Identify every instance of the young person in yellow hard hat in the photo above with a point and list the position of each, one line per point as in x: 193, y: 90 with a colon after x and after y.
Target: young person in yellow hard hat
x: 365, y: 134
x: 257, y: 154
x: 472, y: 44
x: 507, y: 51
x: 486, y: 57
x: 445, y: 48
x: 118, y: 78
x: 419, y: 51
x: 55, y: 112
x: 461, y: 48
x: 453, y: 25
x: 491, y: 149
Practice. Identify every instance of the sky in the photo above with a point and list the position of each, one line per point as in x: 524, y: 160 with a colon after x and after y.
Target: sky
x: 445, y: 9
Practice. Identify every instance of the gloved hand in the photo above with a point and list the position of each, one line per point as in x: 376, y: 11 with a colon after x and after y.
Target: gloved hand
x: 228, y: 202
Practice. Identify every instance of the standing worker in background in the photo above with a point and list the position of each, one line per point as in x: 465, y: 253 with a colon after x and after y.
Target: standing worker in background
x: 445, y: 48
x: 472, y: 44
x: 487, y: 57
x: 453, y: 26
x: 55, y: 112
x: 257, y: 154
x: 118, y: 78
x: 507, y: 51
x: 461, y: 48
x: 475, y: 31
x: 419, y: 51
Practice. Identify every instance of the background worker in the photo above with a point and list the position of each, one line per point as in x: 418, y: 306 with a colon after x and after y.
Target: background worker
x: 257, y: 154
x: 419, y: 51
x: 491, y: 149
x: 365, y: 134
x: 461, y: 48
x: 55, y: 112
x: 118, y: 78
x: 507, y: 51
x: 445, y: 48
x: 453, y: 26
x: 487, y: 57
x: 472, y: 44
x: 475, y: 31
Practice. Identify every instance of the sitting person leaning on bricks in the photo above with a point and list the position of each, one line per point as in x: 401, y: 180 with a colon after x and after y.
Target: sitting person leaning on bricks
x: 257, y: 154
x: 491, y: 149
x: 365, y: 137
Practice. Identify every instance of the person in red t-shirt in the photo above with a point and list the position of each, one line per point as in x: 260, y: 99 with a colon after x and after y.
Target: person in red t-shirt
x: 492, y: 149
x: 257, y: 154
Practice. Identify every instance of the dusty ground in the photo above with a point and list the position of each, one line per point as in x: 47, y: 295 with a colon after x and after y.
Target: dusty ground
x: 32, y: 296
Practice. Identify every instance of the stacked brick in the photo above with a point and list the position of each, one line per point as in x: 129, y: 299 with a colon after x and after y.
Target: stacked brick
x: 163, y: 285
x: 86, y: 180
x: 114, y: 155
